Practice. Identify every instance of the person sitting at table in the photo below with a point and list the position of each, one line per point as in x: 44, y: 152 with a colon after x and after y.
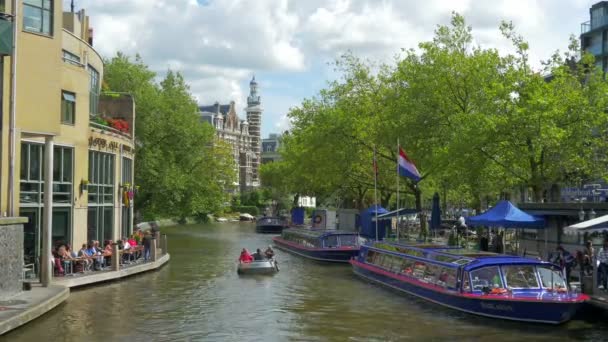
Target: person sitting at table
x: 269, y: 252
x: 58, y: 258
x: 95, y: 255
x: 70, y: 251
x: 257, y: 256
x: 127, y: 249
x: 84, y: 258
x: 245, y: 256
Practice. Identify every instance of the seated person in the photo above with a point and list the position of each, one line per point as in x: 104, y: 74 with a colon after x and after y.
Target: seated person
x: 245, y: 256
x: 269, y: 252
x: 257, y: 256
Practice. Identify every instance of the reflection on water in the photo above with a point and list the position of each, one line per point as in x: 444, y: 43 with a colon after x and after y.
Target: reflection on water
x: 199, y: 296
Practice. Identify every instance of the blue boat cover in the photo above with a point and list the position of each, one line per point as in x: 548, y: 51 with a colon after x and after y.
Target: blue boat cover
x: 506, y: 215
x: 368, y: 227
x: 297, y: 215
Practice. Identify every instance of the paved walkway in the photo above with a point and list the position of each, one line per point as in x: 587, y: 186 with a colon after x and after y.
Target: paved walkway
x: 29, y: 305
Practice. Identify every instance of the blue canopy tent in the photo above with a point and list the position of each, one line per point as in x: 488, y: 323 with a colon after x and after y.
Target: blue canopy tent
x: 368, y: 225
x: 506, y: 215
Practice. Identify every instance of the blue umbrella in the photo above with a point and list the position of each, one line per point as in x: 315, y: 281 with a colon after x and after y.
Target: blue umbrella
x: 435, y: 213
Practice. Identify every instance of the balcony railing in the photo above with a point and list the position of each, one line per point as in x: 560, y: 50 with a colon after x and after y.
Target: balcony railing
x: 107, y: 128
x: 593, y: 24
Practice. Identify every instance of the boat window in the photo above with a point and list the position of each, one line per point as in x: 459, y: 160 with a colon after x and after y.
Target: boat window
x: 430, y: 273
x: 551, y: 278
x: 397, y: 264
x: 331, y: 241
x: 419, y: 268
x: 446, y: 277
x: 486, y: 277
x: 466, y: 283
x: 407, y: 267
x: 521, y: 277
x: 369, y: 258
x: 348, y: 240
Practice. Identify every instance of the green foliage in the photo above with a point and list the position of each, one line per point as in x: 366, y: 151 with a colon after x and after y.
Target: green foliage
x: 249, y: 209
x: 180, y: 168
x: 476, y: 123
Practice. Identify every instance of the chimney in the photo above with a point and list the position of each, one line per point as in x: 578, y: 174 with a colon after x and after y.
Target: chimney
x: 91, y: 36
x: 72, y: 6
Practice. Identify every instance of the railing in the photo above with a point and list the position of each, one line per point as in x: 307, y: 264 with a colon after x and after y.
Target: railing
x: 593, y: 24
x: 109, y: 129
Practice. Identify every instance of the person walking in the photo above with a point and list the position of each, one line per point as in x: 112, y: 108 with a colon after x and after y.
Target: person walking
x: 602, y: 269
x: 147, y: 242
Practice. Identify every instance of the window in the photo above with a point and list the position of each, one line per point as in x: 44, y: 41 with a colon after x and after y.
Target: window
x: 486, y: 277
x: 550, y: 278
x: 466, y: 283
x: 71, y: 58
x: 38, y: 16
x: 68, y: 107
x: 94, y: 90
x: 521, y: 277
x: 101, y: 178
x: 31, y: 175
x: 3, y: 6
x: 349, y: 240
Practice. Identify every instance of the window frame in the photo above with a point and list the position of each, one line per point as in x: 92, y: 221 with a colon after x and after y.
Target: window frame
x: 65, y: 105
x: 42, y: 8
x: 71, y: 58
x: 94, y: 90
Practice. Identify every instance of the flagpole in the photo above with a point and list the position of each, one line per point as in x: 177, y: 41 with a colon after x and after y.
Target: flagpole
x: 376, y: 189
x: 398, y: 215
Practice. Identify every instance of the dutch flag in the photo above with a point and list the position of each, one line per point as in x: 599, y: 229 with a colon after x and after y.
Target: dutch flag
x: 407, y: 167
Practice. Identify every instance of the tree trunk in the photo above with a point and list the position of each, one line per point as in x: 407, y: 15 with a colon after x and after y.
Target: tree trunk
x: 296, y: 198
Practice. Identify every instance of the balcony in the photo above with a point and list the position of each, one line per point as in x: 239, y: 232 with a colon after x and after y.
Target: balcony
x: 594, y: 24
x: 116, y: 114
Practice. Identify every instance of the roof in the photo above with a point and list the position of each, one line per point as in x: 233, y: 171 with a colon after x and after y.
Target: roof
x: 506, y: 215
x: 317, y: 233
x: 502, y: 260
x: 597, y: 224
x: 223, y: 109
x: 389, y: 215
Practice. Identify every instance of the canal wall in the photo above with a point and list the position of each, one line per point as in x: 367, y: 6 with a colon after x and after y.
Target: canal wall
x: 11, y: 258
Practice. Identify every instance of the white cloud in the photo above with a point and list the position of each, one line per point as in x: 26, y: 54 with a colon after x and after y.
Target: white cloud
x: 219, y: 44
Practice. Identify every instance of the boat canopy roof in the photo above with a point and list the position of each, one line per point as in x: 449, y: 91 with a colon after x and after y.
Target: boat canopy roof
x: 316, y: 233
x: 456, y: 256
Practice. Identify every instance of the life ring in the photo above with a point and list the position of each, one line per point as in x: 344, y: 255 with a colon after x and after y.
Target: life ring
x: 318, y: 219
x: 498, y: 290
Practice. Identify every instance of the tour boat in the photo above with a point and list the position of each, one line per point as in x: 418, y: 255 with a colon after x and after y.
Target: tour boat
x: 321, y: 245
x: 268, y: 266
x: 270, y: 225
x: 481, y: 283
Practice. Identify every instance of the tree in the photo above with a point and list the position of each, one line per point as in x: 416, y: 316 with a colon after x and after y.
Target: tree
x: 179, y: 167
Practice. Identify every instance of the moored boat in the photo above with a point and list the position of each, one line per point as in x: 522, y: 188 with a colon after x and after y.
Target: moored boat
x: 486, y: 284
x: 267, y: 266
x: 270, y: 225
x: 321, y: 245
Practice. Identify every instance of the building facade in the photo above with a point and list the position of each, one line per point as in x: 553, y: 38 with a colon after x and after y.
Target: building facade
x: 242, y: 135
x: 67, y: 149
x: 270, y: 148
x: 594, y: 34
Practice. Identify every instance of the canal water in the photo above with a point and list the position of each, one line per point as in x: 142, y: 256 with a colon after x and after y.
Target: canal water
x: 198, y: 296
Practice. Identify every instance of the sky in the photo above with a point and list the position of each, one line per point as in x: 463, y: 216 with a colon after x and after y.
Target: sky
x: 219, y: 45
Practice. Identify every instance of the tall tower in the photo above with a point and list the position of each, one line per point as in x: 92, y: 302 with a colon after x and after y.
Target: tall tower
x: 254, y: 117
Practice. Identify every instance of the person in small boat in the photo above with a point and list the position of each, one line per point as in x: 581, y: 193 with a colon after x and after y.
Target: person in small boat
x: 269, y: 252
x: 245, y: 256
x: 565, y: 260
x: 258, y: 256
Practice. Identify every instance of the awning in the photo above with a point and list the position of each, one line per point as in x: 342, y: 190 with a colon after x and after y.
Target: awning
x: 596, y: 225
x: 389, y: 215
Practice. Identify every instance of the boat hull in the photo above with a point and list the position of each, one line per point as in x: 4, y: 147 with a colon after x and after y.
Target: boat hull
x: 528, y: 310
x: 269, y: 228
x: 258, y: 267
x: 339, y: 255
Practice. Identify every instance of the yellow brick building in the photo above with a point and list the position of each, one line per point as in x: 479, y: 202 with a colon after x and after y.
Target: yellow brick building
x: 53, y: 110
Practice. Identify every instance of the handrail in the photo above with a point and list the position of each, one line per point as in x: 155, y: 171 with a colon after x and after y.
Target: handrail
x: 108, y: 128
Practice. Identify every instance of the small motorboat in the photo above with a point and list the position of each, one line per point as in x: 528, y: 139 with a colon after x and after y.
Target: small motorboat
x: 268, y: 266
x: 270, y: 225
x: 246, y: 217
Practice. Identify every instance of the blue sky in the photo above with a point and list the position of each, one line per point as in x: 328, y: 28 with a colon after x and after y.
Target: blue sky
x: 219, y: 44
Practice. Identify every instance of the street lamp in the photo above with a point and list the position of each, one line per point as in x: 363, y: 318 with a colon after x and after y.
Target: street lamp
x: 592, y: 214
x: 581, y: 215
